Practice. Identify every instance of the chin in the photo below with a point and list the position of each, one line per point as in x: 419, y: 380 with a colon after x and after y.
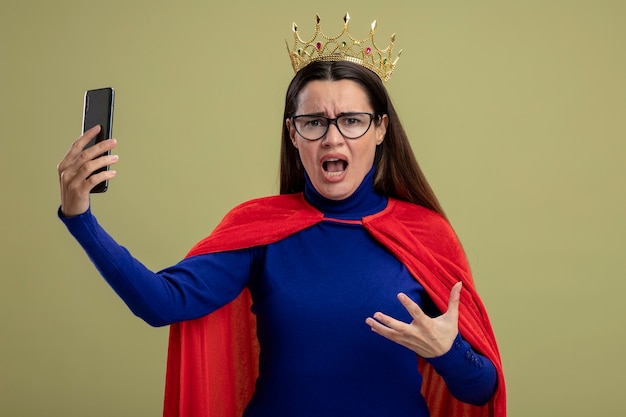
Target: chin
x: 336, y: 193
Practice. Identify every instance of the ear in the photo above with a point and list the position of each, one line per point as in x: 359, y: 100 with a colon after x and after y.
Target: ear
x: 381, y: 129
x: 292, y: 132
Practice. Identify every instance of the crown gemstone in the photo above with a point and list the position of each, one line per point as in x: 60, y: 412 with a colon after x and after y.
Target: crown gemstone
x: 368, y: 50
x: 318, y: 46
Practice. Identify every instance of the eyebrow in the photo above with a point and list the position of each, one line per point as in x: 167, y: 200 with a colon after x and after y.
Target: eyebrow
x: 346, y: 113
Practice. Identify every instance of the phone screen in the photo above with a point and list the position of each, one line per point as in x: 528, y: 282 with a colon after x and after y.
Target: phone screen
x: 98, y: 110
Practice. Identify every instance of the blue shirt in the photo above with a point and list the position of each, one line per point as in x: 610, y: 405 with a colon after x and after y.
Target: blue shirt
x: 311, y: 294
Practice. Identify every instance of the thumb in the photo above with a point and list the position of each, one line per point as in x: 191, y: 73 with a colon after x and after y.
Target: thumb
x: 455, y: 298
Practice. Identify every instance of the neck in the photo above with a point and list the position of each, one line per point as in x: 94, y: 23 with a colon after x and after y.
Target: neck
x: 363, y: 202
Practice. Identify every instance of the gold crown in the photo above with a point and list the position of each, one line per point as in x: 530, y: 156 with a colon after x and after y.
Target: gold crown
x: 343, y: 47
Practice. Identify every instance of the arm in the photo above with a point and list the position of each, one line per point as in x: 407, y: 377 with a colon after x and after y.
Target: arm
x: 187, y: 290
x: 192, y: 288
x: 470, y: 377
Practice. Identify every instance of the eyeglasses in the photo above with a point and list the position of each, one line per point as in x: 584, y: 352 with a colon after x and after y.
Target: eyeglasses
x: 350, y: 125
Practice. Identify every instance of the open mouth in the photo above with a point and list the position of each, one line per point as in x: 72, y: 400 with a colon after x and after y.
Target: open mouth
x: 334, y: 166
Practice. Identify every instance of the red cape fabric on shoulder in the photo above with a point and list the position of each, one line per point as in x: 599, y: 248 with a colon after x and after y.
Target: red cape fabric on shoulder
x: 212, y: 361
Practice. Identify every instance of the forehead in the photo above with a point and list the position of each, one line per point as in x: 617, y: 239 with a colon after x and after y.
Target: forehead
x: 332, y: 97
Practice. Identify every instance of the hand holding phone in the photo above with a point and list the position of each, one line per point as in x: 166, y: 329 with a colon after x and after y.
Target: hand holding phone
x: 76, y: 169
x: 85, y: 167
x: 98, y: 110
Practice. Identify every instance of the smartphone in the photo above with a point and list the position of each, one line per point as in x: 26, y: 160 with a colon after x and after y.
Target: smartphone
x: 98, y: 110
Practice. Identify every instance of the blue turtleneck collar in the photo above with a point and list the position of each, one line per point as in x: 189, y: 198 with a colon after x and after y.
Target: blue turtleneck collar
x: 363, y: 202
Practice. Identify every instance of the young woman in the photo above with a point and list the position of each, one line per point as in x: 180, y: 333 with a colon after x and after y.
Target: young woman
x: 355, y: 276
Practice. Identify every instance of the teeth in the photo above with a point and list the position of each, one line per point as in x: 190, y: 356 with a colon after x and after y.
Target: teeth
x: 333, y: 161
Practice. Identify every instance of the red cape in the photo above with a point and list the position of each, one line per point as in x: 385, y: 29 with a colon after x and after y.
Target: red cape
x: 212, y: 361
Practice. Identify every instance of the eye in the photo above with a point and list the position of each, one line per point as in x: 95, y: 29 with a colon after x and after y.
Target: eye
x: 311, y: 123
x: 351, y: 121
x: 314, y: 122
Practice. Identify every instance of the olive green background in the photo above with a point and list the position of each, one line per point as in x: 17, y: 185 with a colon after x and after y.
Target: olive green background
x: 516, y: 111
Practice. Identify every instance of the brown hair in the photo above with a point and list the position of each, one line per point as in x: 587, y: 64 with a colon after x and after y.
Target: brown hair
x: 397, y: 173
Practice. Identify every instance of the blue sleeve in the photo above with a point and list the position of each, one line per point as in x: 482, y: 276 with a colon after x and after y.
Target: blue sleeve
x: 190, y: 289
x: 470, y: 377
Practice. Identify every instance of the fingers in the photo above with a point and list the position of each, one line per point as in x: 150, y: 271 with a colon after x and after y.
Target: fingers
x: 411, y: 306
x: 92, y: 153
x: 77, y: 150
x: 76, y: 170
x: 384, y: 324
x: 80, y: 166
x: 397, y: 331
x: 77, y: 147
x: 428, y: 337
x: 84, y: 170
x: 75, y: 189
x: 391, y: 328
x: 381, y: 330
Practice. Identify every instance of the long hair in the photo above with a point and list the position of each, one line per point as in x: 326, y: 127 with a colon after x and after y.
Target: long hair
x: 397, y: 173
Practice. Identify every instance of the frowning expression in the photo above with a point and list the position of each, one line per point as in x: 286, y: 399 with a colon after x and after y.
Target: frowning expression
x: 336, y: 165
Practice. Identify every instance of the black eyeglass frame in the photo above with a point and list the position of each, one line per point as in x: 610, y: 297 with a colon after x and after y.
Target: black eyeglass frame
x: 330, y: 121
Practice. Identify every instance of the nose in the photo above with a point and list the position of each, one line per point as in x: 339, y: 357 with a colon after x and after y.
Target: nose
x: 333, y: 136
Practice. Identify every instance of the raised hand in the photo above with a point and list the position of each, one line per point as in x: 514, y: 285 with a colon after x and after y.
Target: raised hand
x: 76, y: 167
x: 426, y: 336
